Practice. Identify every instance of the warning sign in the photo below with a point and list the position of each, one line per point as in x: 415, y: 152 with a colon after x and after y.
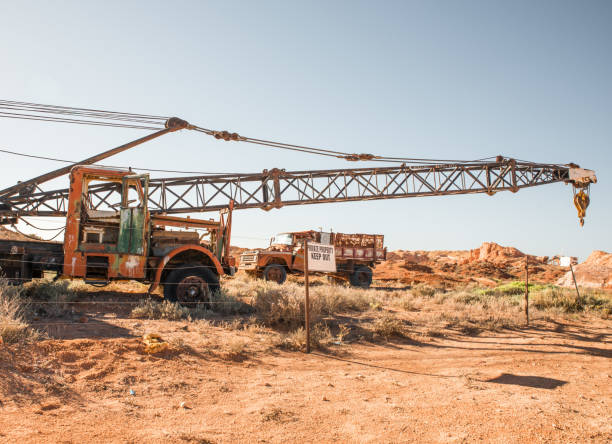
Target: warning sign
x: 321, y: 257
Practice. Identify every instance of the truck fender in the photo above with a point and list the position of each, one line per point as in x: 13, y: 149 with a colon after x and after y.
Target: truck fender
x: 278, y: 261
x: 179, y: 250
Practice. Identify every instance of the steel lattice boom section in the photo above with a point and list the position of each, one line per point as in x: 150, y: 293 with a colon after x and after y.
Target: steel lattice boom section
x: 277, y: 188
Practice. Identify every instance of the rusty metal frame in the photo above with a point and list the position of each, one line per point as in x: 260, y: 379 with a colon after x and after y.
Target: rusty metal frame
x: 278, y: 188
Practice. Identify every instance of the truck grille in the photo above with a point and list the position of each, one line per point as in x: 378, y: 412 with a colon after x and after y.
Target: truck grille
x: 247, y: 258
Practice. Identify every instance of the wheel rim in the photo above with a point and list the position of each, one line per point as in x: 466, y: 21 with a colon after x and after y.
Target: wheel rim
x: 362, y: 278
x: 275, y: 274
x: 192, y: 289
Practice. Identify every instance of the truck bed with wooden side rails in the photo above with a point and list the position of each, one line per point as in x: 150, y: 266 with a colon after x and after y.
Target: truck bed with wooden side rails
x: 356, y: 255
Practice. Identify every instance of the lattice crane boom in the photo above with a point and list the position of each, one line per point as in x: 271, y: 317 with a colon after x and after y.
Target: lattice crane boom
x: 277, y: 188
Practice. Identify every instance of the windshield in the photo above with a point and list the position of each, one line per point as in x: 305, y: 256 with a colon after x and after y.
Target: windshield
x: 282, y: 239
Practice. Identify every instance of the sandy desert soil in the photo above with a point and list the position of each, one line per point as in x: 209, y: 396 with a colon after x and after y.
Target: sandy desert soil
x: 551, y: 382
x: 221, y: 381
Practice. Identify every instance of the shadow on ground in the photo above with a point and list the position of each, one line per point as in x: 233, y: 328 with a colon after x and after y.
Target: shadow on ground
x: 528, y: 381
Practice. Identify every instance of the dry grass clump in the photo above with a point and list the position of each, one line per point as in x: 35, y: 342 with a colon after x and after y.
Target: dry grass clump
x: 388, y: 326
x: 13, y: 310
x: 50, y: 298
x: 225, y: 303
x: 567, y: 301
x: 405, y: 300
x: 220, y: 303
x: 423, y: 290
x: 320, y: 336
x: 476, y: 320
x: 150, y: 309
x: 236, y: 348
x: 284, y: 304
x: 508, y: 297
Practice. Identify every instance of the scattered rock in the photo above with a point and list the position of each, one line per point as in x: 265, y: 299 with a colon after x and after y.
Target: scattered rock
x: 184, y: 406
x: 154, y: 343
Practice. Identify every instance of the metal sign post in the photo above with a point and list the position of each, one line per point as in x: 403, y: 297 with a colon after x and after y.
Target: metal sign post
x: 317, y: 257
x: 307, y: 301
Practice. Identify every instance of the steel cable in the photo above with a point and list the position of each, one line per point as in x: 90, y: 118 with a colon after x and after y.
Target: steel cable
x: 32, y: 156
x: 76, y: 111
x: 140, y: 121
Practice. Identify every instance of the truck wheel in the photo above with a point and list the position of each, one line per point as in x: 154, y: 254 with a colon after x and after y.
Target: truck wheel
x: 275, y: 273
x: 361, y: 277
x: 191, y: 283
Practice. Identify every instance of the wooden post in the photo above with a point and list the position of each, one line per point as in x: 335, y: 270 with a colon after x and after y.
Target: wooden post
x: 527, y: 289
x: 307, y: 301
x: 574, y: 277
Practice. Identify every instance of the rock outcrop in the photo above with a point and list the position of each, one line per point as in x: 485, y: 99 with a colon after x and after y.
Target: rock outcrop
x: 595, y: 272
x: 486, y: 265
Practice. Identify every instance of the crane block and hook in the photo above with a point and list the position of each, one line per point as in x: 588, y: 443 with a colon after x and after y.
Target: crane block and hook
x: 581, y: 179
x: 581, y: 202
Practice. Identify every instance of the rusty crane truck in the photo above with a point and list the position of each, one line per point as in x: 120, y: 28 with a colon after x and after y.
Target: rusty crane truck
x: 120, y: 225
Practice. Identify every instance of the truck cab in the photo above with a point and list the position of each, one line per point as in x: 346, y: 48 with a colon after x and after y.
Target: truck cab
x: 112, y: 235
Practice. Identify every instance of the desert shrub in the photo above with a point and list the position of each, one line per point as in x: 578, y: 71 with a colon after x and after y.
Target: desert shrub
x: 433, y: 332
x: 469, y: 297
x: 403, y: 299
x: 334, y: 299
x: 320, y: 336
x: 408, y: 304
x: 236, y: 348
x: 226, y: 304
x: 511, y: 289
x: 281, y: 304
x: 13, y: 310
x: 388, y: 326
x: 440, y: 298
x: 284, y: 304
x: 485, y: 300
x: 423, y: 290
x: 150, y: 309
x: 568, y: 301
x: 50, y: 298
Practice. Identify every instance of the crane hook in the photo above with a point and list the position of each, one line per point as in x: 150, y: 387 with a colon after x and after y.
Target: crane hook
x: 581, y: 202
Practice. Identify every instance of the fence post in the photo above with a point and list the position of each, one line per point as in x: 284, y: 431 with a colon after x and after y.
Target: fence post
x: 574, y: 277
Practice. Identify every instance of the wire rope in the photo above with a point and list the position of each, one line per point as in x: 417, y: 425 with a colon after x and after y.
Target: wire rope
x: 24, y: 110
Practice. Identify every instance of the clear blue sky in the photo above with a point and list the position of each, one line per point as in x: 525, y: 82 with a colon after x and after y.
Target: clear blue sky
x: 443, y: 79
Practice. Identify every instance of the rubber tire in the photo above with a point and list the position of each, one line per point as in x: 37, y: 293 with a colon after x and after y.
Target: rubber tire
x: 275, y: 267
x: 180, y: 273
x: 361, y: 277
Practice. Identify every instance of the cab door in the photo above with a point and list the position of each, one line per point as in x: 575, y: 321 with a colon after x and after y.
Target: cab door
x: 133, y: 215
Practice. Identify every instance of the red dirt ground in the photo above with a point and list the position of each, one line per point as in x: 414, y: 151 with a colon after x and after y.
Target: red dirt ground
x: 548, y: 383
